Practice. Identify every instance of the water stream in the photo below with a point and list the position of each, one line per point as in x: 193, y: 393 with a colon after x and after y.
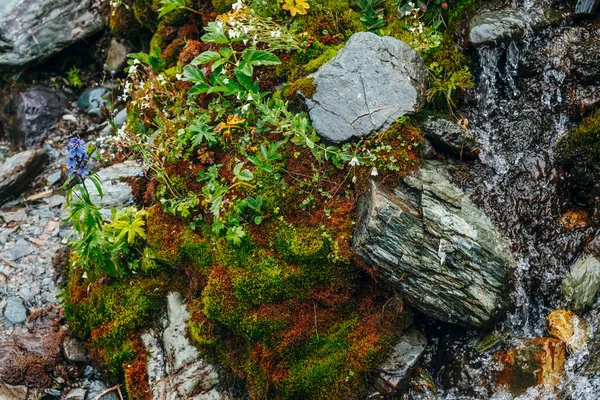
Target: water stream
x: 519, y: 113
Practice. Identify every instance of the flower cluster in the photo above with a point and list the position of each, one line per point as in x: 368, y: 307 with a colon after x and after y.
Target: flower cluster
x: 78, y: 158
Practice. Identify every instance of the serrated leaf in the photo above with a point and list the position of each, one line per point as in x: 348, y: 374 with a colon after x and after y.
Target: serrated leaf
x: 206, y: 57
x: 260, y: 57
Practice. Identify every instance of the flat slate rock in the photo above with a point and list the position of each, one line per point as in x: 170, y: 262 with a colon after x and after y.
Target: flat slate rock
x: 370, y: 83
x: 32, y: 30
x: 17, y: 172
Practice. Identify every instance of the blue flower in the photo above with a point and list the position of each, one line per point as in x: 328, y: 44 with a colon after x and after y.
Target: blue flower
x: 78, y: 158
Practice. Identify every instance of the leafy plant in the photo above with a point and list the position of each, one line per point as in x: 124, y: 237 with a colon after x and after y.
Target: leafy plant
x: 74, y: 78
x: 168, y: 6
x: 447, y: 85
x: 371, y: 14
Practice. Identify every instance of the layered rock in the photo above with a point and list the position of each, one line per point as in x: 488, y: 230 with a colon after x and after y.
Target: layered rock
x: 17, y: 172
x: 582, y: 284
x: 33, y: 30
x: 567, y: 327
x: 586, y: 6
x: 28, y: 117
x: 370, y: 83
x: 436, y: 247
x: 449, y: 138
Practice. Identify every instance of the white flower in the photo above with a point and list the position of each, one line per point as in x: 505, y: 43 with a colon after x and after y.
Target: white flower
x: 84, y: 276
x: 245, y: 107
x: 250, y: 98
x: 374, y: 172
x: 354, y: 162
x: 237, y: 6
x: 226, y: 81
x: 179, y: 77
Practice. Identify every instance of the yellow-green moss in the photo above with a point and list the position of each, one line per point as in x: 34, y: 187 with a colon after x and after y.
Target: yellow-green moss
x: 222, y: 6
x: 302, y: 245
x: 306, y: 86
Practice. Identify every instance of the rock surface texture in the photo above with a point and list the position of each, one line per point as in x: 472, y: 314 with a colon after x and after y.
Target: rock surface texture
x: 494, y: 26
x: 371, y: 82
x: 175, y: 369
x: 582, y: 284
x: 33, y: 30
x: 116, y: 193
x: 394, y: 374
x: 449, y: 138
x: 435, y: 246
x: 18, y: 171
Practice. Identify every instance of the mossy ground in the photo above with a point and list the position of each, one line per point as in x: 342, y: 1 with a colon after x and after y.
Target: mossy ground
x: 289, y: 311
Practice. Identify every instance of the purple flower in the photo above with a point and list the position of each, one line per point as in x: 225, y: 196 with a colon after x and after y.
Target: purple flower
x: 78, y: 158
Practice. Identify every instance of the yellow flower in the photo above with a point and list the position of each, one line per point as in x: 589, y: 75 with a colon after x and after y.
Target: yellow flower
x: 296, y: 7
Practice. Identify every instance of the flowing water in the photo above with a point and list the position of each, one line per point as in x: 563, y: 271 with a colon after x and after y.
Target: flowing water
x: 519, y: 111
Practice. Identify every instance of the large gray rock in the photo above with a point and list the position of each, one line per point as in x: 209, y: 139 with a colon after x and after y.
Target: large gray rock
x: 116, y: 192
x: 175, y: 369
x: 449, y: 138
x: 370, y: 83
x: 15, y: 312
x: 28, y: 117
x: 18, y: 171
x: 582, y: 284
x: 392, y: 377
x: 436, y: 247
x: 494, y: 26
x: 586, y: 6
x: 31, y: 30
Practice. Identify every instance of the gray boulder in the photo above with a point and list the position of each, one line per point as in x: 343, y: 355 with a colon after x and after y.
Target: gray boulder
x: 436, y: 247
x: 175, y: 369
x: 75, y: 394
x: 116, y: 193
x: 18, y: 171
x: 500, y: 25
x: 392, y: 377
x: 449, y: 138
x: 33, y: 30
x: 74, y: 350
x: 369, y: 84
x: 91, y: 102
x: 28, y: 117
x: 97, y: 388
x: 586, y: 6
x: 15, y: 312
x: 582, y: 284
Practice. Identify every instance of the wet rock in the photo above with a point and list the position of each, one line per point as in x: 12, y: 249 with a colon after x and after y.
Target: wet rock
x: 116, y: 193
x: 582, y: 283
x: 538, y: 362
x: 96, y: 388
x: 568, y: 328
x: 33, y: 30
x: 33, y: 356
x: 21, y: 249
x: 15, y: 311
x: 494, y: 26
x: 116, y: 57
x: 436, y: 247
x: 74, y: 350
x: 17, y: 172
x: 391, y: 377
x: 28, y: 117
x: 178, y: 371
x: 449, y: 138
x: 428, y: 150
x: 370, y: 83
x: 586, y: 6
x: 75, y: 394
x: 91, y: 102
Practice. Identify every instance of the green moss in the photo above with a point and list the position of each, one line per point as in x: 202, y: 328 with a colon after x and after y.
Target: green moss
x: 109, y: 315
x: 327, y: 55
x: 222, y: 6
x: 302, y: 245
x: 144, y: 13
x: 578, y: 154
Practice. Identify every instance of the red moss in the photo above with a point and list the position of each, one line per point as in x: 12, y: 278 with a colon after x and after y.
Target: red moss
x: 136, y: 375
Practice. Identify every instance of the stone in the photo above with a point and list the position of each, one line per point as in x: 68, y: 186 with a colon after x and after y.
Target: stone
x: 116, y: 57
x: 91, y: 102
x: 74, y: 350
x: 17, y: 172
x: 450, y: 139
x: 392, y: 376
x: 370, y: 83
x: 568, y: 328
x: 34, y: 30
x: 436, y: 247
x: 15, y: 311
x: 582, y: 283
x: 10, y: 392
x: 586, y: 6
x: 506, y: 24
x: 96, y: 388
x: 115, y: 192
x: 28, y: 117
x: 21, y: 249
x: 539, y: 361
x: 75, y: 394
x: 177, y: 371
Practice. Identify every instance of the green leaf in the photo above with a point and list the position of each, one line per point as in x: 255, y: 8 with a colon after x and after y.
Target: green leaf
x: 260, y: 57
x: 215, y: 37
x: 193, y: 74
x: 96, y: 181
x: 169, y: 6
x: 206, y: 57
x: 258, y: 219
x: 242, y: 175
x: 246, y: 68
x: 235, y: 235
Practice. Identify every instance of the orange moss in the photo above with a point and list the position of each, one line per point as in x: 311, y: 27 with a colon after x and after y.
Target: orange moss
x: 136, y: 374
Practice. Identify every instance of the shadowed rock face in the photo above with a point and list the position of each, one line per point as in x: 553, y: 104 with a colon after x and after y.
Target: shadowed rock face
x: 18, y: 171
x: 369, y: 84
x: 436, y: 247
x: 31, y: 30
